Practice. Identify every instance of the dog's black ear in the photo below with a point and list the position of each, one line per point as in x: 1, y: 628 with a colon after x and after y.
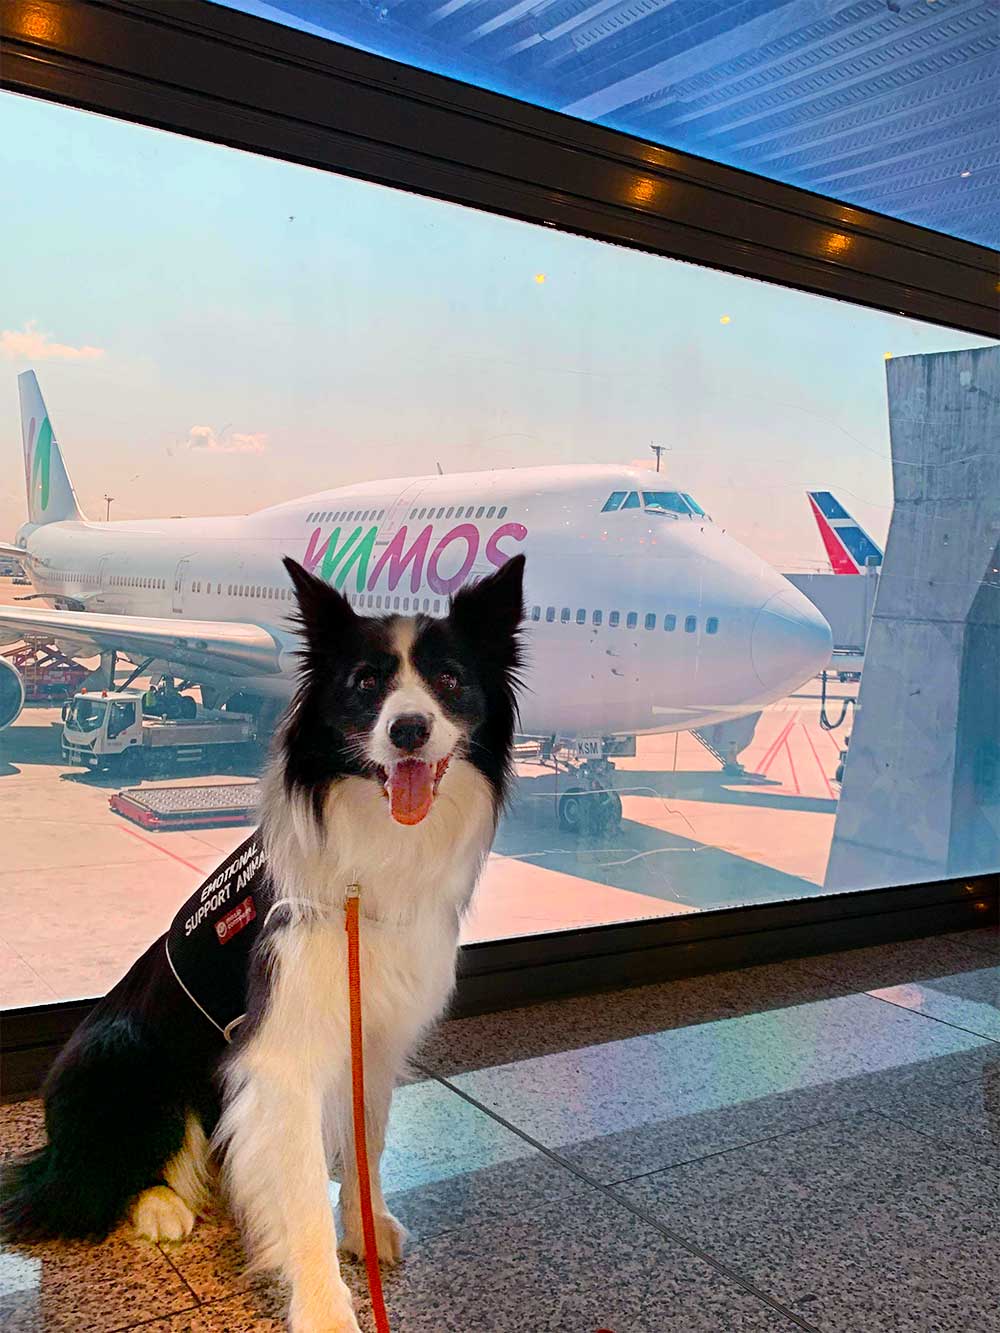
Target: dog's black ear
x: 493, y: 608
x: 322, y: 609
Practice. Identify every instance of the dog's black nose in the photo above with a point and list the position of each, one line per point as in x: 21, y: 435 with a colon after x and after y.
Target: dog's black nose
x: 409, y: 731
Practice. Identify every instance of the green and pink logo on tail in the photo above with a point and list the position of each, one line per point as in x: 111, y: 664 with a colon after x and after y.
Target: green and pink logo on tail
x: 41, y: 461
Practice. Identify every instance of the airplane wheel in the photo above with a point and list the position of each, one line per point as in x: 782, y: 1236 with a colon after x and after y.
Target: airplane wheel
x: 592, y: 812
x: 572, y: 812
x: 188, y: 708
x: 604, y: 813
x: 613, y: 812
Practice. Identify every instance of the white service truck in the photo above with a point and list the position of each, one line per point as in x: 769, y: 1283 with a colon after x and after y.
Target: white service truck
x: 105, y: 730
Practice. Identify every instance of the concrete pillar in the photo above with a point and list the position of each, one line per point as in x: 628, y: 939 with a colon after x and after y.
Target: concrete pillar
x: 921, y: 791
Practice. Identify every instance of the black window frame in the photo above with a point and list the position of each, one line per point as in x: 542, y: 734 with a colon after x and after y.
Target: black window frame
x: 212, y: 73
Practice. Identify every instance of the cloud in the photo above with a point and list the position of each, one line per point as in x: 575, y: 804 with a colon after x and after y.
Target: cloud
x: 649, y: 462
x: 206, y: 440
x: 30, y: 344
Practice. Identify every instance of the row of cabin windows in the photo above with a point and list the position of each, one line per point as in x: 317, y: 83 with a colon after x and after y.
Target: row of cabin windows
x: 262, y: 591
x: 377, y: 601
x: 649, y: 620
x: 345, y: 515
x: 136, y: 581
x: 463, y: 511
x: 386, y: 602
x: 74, y: 576
x: 249, y: 590
x: 114, y: 580
x: 361, y: 515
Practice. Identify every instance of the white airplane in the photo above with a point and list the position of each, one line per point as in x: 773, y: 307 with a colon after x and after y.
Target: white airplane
x: 643, y: 616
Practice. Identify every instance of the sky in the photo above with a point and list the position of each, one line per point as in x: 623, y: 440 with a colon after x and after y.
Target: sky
x: 214, y: 332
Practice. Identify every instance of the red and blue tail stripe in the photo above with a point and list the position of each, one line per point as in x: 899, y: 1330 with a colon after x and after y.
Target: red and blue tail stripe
x: 848, y: 546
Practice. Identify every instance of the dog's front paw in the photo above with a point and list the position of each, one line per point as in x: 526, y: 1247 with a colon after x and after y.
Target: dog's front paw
x: 390, y: 1237
x: 305, y: 1317
x: 160, y: 1214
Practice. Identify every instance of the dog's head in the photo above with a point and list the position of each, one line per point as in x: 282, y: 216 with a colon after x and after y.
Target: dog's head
x: 394, y: 699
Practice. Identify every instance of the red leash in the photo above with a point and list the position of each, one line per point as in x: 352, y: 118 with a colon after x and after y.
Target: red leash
x: 351, y: 923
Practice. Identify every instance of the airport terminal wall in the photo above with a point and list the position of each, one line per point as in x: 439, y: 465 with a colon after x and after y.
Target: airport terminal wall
x: 225, y: 359
x: 921, y: 792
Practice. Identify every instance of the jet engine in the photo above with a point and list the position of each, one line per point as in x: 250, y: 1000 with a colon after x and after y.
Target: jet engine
x: 11, y: 693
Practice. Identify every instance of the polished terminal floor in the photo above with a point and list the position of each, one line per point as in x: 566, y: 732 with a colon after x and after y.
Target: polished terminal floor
x: 807, y: 1145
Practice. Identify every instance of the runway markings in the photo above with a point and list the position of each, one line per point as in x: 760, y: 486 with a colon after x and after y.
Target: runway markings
x: 785, y: 748
x: 791, y: 765
x: 819, y: 765
x: 765, y: 761
x: 834, y: 741
x: 199, y: 870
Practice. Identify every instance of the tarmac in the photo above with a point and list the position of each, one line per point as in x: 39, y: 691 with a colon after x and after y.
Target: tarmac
x: 83, y: 892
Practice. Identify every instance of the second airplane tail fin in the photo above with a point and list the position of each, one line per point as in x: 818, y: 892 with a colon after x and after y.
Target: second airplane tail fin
x: 848, y: 546
x: 51, y: 498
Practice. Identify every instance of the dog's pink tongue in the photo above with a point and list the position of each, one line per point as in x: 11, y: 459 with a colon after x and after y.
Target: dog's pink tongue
x: 411, y: 790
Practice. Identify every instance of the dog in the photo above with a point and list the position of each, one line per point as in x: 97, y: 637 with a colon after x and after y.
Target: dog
x: 389, y: 770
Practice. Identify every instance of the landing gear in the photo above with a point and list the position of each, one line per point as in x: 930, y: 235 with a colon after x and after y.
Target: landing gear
x: 589, y: 804
x: 590, y: 811
x: 595, y: 808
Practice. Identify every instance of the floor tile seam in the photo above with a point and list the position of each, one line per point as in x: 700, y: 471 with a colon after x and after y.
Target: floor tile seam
x: 97, y: 1283
x: 731, y: 1275
x: 971, y: 1154
x: 194, y: 1295
x: 740, y: 1147
x: 158, y: 1318
x: 933, y: 1018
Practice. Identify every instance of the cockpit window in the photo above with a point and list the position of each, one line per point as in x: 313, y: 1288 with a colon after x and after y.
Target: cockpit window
x: 670, y: 502
x: 655, y: 502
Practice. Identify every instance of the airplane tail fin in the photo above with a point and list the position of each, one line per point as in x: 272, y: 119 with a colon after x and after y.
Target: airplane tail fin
x: 51, y: 498
x: 848, y: 546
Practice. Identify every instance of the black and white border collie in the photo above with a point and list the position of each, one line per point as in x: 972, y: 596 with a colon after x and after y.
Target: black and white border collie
x: 389, y: 770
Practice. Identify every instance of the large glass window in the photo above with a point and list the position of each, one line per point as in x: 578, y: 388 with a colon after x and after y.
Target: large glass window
x: 886, y: 104
x: 223, y: 358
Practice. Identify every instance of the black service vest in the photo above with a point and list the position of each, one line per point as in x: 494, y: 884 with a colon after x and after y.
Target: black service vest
x: 210, y: 939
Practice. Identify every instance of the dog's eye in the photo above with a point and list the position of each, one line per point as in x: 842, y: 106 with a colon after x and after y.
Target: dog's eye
x: 366, y: 681
x: 449, y: 682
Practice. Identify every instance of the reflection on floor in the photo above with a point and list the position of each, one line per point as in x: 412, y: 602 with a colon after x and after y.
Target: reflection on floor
x: 810, y: 1145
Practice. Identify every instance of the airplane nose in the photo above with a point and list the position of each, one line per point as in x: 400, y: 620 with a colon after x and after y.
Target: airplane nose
x: 790, y: 642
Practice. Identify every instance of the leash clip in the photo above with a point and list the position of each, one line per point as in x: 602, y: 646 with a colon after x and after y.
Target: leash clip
x: 353, y: 891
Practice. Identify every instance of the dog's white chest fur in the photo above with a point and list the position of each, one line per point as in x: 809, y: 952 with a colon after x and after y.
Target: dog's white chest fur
x: 415, y: 883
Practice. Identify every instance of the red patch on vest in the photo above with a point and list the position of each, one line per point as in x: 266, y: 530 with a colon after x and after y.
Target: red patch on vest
x: 233, y: 922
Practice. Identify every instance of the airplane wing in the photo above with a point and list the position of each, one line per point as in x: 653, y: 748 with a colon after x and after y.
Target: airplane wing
x: 232, y: 648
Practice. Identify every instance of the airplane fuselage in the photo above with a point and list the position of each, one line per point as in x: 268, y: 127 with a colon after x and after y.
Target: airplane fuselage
x: 641, y: 617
